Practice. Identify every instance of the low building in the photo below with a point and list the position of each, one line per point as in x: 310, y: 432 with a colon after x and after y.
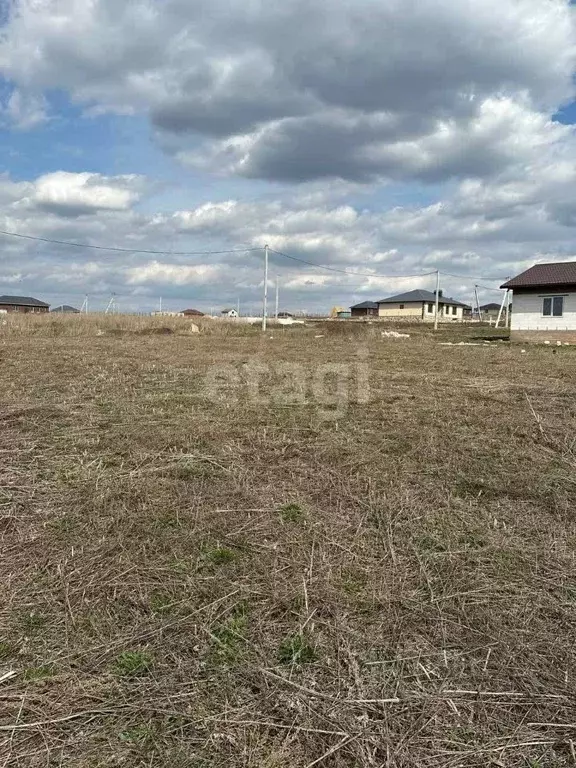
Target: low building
x: 192, y: 313
x: 491, y: 311
x: 365, y: 309
x: 544, y: 303
x: 343, y: 314
x: 229, y: 313
x: 284, y: 315
x: 421, y: 305
x: 22, y: 304
x: 66, y: 309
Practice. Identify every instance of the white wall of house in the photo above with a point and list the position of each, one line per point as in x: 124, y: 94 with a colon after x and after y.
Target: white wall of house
x: 445, y: 313
x: 527, y: 313
x: 451, y: 313
x: 421, y: 310
x: 409, y: 309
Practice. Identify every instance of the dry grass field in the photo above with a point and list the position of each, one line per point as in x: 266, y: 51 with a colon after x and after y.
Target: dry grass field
x: 209, y: 566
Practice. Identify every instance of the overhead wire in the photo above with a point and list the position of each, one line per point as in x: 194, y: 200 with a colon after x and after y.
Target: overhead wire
x: 154, y: 252
x: 473, y: 277
x: 487, y: 288
x: 347, y: 272
x: 126, y: 250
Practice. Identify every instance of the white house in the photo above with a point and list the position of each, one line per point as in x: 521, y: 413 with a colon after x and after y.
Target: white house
x: 421, y: 305
x: 544, y: 304
x: 229, y: 313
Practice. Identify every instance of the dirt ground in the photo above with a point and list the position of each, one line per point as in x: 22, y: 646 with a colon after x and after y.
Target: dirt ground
x: 237, y: 550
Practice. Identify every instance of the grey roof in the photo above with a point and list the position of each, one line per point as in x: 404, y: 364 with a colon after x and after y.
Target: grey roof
x: 420, y: 296
x: 66, y: 308
x: 365, y: 305
x: 559, y: 273
x: 22, y: 301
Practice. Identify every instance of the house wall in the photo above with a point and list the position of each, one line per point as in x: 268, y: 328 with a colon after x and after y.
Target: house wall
x: 447, y: 314
x: 419, y: 310
x: 364, y: 312
x: 539, y: 337
x: 22, y: 309
x: 411, y: 309
x: 527, y: 314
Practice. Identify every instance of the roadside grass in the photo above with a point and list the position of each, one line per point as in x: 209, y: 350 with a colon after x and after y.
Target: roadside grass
x: 189, y: 580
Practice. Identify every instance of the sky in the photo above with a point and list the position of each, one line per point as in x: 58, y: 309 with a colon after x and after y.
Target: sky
x: 386, y: 140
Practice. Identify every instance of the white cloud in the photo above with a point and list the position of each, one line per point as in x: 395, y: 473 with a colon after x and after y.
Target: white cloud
x: 160, y: 273
x: 24, y: 111
x: 75, y: 194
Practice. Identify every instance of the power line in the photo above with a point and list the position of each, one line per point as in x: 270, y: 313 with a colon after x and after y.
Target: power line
x: 126, y: 250
x: 487, y: 288
x: 345, y: 271
x: 474, y: 277
x: 53, y: 241
x: 389, y: 277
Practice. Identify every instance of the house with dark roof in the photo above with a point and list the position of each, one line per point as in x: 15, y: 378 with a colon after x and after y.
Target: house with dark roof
x: 192, y: 313
x: 365, y: 309
x: 421, y: 305
x: 491, y: 311
x: 22, y: 304
x: 544, y: 303
x: 66, y: 309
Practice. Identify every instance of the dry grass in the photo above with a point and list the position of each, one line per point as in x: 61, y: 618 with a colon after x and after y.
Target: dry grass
x: 195, y: 583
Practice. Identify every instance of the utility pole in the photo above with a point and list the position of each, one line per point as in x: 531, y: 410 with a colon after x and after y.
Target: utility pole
x: 84, y: 307
x: 478, y: 310
x: 111, y: 305
x: 277, y: 296
x: 437, y: 299
x: 238, y: 307
x: 265, y: 300
x: 504, y: 301
x: 160, y: 305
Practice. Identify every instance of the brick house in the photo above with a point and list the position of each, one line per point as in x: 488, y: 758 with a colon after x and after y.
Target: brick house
x: 365, y: 309
x: 22, y: 304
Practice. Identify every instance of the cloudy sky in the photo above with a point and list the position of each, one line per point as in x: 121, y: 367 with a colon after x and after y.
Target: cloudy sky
x: 383, y: 138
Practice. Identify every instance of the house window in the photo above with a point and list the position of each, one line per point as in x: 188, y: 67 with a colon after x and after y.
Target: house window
x: 430, y: 308
x: 454, y: 311
x: 553, y: 306
x: 401, y: 306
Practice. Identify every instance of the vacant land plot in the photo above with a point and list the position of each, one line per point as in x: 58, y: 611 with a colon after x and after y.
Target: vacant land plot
x: 214, y: 556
